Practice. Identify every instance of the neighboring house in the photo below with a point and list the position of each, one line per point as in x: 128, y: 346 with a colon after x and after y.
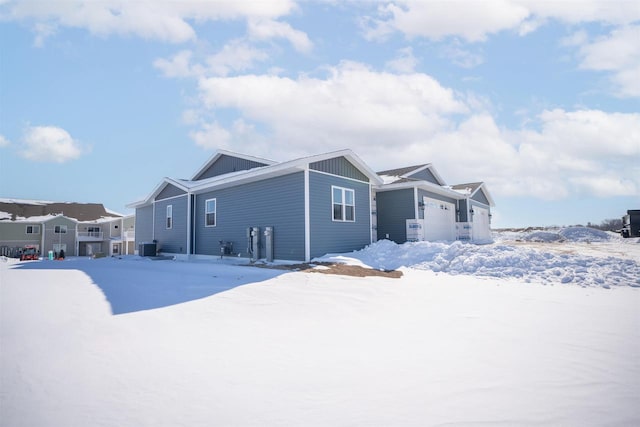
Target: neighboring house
x: 82, y: 229
x: 414, y: 203
x: 314, y: 205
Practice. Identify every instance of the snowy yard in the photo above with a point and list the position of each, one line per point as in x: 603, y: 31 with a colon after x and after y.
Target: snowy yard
x: 530, y: 330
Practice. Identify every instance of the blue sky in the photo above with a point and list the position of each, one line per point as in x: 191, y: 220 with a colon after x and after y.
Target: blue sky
x: 540, y: 100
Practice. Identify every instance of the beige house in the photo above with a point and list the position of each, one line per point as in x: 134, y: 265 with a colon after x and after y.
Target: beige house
x: 80, y: 229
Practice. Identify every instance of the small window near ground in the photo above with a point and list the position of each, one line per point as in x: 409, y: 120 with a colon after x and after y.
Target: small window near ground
x: 170, y: 216
x: 343, y: 201
x: 60, y: 229
x: 33, y: 229
x: 210, y: 213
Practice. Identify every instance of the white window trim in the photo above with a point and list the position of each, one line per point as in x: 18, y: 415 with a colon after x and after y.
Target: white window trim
x: 344, y: 204
x: 62, y: 228
x: 35, y: 229
x: 215, y: 213
x: 169, y: 218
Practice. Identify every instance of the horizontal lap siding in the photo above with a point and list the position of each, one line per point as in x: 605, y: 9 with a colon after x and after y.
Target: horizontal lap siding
x: 328, y: 236
x: 275, y: 202
x: 144, y: 225
x: 480, y: 197
x: 393, y: 209
x: 173, y: 240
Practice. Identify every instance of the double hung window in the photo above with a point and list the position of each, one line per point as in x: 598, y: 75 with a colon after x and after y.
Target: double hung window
x: 344, y: 205
x: 169, y: 216
x: 210, y: 213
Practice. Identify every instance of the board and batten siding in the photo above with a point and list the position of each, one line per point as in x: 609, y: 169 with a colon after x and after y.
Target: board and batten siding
x: 393, y: 209
x: 327, y: 235
x: 144, y: 225
x: 227, y: 164
x: 171, y: 240
x: 274, y: 202
x: 339, y: 166
x: 169, y: 191
x: 425, y: 175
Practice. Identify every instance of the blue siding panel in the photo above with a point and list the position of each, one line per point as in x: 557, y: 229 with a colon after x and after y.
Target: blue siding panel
x: 394, y: 208
x: 227, y: 164
x: 275, y: 202
x: 169, y: 191
x: 173, y: 240
x: 328, y: 236
x: 480, y: 197
x: 425, y: 175
x: 144, y: 225
x: 463, y: 208
x: 339, y: 166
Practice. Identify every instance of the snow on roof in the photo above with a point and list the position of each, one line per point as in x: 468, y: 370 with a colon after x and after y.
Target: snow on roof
x: 38, y: 211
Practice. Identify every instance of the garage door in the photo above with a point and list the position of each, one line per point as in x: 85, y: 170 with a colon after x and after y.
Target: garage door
x: 481, y: 228
x: 439, y: 220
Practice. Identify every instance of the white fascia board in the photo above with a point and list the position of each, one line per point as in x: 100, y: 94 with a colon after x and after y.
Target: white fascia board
x: 220, y: 153
x: 423, y: 185
x: 158, y: 188
x: 279, y: 169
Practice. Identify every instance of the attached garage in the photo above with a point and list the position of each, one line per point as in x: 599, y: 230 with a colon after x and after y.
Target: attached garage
x: 439, y: 220
x: 481, y: 228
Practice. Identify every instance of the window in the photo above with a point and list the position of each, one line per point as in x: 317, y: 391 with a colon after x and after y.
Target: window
x: 344, y: 207
x: 60, y: 229
x: 210, y: 213
x: 170, y: 216
x: 33, y: 229
x: 93, y: 232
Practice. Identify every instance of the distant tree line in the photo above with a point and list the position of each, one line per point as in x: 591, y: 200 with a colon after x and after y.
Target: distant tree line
x: 607, y: 225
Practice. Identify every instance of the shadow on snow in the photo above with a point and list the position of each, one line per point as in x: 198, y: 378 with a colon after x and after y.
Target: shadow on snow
x: 132, y: 284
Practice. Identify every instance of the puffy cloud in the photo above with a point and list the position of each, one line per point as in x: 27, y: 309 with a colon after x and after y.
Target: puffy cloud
x: 474, y: 21
x: 157, y: 19
x: 50, y: 144
x: 618, y: 52
x: 352, y: 107
x: 405, y: 62
x: 4, y: 142
x: 395, y: 120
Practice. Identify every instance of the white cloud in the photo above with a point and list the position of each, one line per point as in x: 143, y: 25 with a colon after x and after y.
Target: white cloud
x: 4, y: 142
x: 405, y: 62
x: 235, y: 56
x: 266, y: 29
x: 50, y: 144
x: 619, y: 53
x: 158, y: 19
x: 395, y: 120
x: 474, y: 21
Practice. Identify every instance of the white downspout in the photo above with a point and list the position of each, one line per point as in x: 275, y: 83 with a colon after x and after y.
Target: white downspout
x: 415, y: 203
x: 307, y: 218
x: 188, y: 224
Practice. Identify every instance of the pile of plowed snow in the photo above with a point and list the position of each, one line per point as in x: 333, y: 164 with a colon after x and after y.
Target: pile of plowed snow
x: 505, y: 260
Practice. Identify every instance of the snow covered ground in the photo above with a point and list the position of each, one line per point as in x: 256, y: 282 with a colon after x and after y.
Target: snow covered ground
x: 525, y: 331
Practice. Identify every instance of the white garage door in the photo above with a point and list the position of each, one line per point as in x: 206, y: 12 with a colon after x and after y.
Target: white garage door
x: 439, y: 220
x: 481, y: 228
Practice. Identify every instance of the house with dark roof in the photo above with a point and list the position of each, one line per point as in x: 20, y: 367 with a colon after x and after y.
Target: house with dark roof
x: 415, y: 203
x: 80, y: 229
x: 251, y: 207
x: 245, y: 206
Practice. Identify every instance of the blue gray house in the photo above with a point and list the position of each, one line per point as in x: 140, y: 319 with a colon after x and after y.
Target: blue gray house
x: 312, y: 206
x: 415, y: 203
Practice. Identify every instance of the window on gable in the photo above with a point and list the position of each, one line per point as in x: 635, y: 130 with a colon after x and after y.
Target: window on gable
x: 33, y: 229
x: 170, y: 216
x: 60, y: 229
x: 343, y: 201
x: 210, y: 213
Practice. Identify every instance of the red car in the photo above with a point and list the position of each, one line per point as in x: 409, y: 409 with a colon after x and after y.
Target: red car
x: 29, y: 253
